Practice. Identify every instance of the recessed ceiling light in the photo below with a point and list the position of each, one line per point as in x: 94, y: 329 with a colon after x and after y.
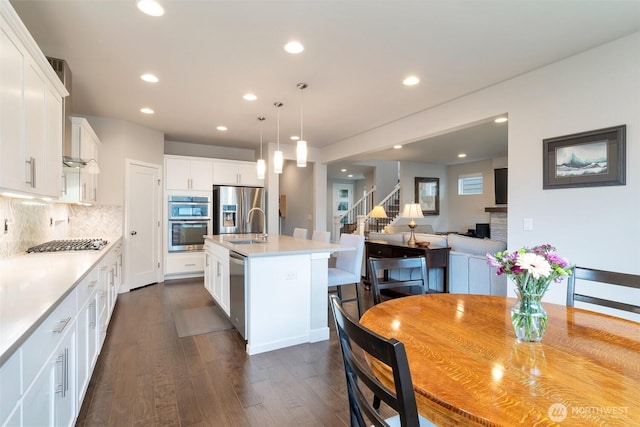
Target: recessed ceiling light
x: 294, y: 47
x: 397, y: 147
x: 462, y: 155
x: 501, y: 120
x: 295, y: 137
x: 147, y: 110
x: 222, y: 128
x: 411, y: 81
x: 350, y: 176
x: 150, y: 78
x: 150, y: 7
x: 249, y: 97
x: 343, y: 170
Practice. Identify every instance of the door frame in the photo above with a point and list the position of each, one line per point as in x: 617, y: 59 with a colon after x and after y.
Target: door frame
x: 159, y: 234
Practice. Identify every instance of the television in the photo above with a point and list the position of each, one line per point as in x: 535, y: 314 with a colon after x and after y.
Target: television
x: 500, y: 185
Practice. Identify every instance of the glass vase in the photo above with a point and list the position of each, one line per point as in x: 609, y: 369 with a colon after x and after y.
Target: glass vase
x: 528, y: 318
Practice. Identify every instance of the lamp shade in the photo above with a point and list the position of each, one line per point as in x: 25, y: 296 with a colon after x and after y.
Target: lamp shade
x: 301, y: 154
x: 278, y: 161
x: 412, y: 210
x: 92, y: 167
x: 378, y: 212
x: 262, y: 168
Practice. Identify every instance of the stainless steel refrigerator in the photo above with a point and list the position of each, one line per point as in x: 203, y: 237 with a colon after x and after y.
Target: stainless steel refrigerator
x: 231, y: 206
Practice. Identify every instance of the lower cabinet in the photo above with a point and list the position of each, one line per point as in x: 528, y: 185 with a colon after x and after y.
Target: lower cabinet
x: 88, y: 334
x: 50, y: 400
x: 183, y: 264
x: 216, y: 279
x: 44, y: 382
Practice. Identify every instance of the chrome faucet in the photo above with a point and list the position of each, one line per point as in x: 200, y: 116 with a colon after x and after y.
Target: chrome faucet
x: 264, y: 221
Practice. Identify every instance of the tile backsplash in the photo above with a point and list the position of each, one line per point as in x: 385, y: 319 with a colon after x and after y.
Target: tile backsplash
x: 29, y: 223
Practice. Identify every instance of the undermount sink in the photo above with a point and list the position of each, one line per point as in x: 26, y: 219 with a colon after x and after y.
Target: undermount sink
x: 246, y: 241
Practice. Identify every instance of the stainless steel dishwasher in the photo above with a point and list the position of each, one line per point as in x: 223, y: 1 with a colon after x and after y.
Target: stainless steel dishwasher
x: 237, y: 309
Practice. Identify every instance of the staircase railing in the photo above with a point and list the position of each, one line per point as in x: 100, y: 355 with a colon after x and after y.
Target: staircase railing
x: 348, y: 221
x: 391, y: 205
x: 356, y: 220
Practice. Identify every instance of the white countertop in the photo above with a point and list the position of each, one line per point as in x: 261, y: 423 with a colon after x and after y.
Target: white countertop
x: 275, y: 245
x: 32, y: 285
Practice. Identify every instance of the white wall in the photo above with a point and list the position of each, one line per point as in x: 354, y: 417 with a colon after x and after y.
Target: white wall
x: 297, y: 184
x: 408, y: 172
x: 465, y: 211
x: 121, y: 140
x: 595, y: 227
x: 210, y: 151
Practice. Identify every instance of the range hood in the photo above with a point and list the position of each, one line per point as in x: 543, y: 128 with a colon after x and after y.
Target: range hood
x: 63, y: 71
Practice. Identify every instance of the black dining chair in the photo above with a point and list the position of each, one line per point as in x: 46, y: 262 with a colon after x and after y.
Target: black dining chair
x: 391, y: 352
x: 604, y: 277
x: 398, y: 276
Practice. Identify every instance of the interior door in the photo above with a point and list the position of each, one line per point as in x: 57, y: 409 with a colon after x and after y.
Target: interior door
x: 142, y: 224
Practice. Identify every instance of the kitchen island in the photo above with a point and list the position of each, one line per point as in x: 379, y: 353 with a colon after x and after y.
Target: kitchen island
x: 285, y: 287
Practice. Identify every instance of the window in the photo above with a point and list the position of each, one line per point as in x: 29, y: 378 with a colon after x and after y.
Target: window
x: 470, y: 184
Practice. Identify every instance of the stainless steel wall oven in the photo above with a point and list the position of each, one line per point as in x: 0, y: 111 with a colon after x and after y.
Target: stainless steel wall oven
x: 189, y: 220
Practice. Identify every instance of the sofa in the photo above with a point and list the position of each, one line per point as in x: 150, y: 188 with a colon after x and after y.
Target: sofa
x: 468, y: 271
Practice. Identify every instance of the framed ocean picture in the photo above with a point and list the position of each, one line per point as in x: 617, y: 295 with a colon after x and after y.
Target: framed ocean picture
x: 587, y: 159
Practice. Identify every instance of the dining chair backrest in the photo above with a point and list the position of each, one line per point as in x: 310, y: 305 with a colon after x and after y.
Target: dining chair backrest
x: 603, y: 277
x: 351, y: 261
x: 300, y: 233
x: 321, y: 236
x: 360, y: 378
x: 403, y: 276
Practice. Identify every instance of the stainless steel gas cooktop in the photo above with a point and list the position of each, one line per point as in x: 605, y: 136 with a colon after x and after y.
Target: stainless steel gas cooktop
x: 69, y: 245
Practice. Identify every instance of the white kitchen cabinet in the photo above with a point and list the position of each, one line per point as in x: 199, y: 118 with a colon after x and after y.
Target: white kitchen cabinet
x: 187, y: 173
x: 78, y: 185
x: 184, y: 264
x: 217, y: 275
x: 44, y: 381
x: 51, y: 398
x: 87, y: 332
x: 11, y: 389
x: 231, y: 172
x: 30, y: 113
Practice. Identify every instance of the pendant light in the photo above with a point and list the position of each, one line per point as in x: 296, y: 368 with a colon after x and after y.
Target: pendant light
x: 301, y: 148
x: 261, y: 165
x: 278, y: 158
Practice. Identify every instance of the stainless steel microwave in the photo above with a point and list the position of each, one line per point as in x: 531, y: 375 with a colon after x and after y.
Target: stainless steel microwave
x: 187, y: 207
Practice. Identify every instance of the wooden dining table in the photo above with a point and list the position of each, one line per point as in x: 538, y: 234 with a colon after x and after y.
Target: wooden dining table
x: 468, y: 368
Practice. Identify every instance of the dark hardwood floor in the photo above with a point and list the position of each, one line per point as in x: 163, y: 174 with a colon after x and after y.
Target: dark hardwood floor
x: 147, y: 376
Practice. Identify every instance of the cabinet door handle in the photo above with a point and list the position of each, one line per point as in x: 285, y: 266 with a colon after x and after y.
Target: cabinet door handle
x: 63, y: 359
x: 189, y: 265
x: 93, y: 284
x: 64, y: 184
x: 32, y: 172
x: 92, y: 315
x: 63, y: 324
x: 218, y: 269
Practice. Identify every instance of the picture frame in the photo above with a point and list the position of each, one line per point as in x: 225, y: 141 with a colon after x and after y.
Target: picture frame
x: 427, y: 195
x: 587, y: 159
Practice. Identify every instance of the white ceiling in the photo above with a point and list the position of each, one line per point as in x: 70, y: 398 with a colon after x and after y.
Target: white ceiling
x: 207, y: 54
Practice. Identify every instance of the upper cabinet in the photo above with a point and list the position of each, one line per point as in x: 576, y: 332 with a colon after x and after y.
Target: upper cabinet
x: 187, y: 173
x: 80, y: 184
x: 231, y: 172
x: 30, y: 113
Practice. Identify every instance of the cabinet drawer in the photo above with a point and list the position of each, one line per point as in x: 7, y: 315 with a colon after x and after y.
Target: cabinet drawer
x: 87, y: 287
x: 39, y: 346
x: 380, y: 251
x: 185, y: 264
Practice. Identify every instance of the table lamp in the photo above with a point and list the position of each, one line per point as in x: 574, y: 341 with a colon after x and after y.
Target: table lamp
x: 412, y: 210
x: 377, y: 212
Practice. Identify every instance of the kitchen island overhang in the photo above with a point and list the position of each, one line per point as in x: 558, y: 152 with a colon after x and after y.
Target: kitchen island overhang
x: 286, y: 301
